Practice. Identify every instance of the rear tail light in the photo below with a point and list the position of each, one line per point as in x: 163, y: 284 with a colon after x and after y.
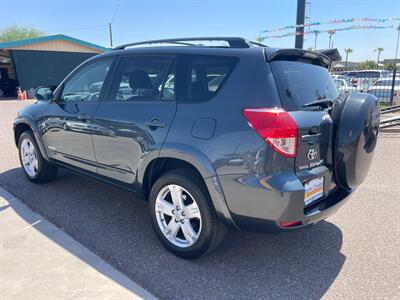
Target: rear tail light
x: 276, y: 127
x: 290, y: 224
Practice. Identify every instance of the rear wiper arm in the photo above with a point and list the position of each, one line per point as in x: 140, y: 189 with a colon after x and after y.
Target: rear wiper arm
x: 325, y: 103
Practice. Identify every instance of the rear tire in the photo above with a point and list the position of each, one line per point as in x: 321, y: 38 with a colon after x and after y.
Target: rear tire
x: 35, y: 167
x: 182, y: 214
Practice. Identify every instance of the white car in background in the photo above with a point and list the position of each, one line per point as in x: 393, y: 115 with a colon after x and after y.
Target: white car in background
x: 382, y: 88
x: 362, y: 80
x: 343, y: 84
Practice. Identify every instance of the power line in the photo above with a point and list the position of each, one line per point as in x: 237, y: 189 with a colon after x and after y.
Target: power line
x: 77, y: 28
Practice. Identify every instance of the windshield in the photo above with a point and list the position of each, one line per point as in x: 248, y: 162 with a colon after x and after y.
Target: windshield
x: 387, y: 82
x: 300, y: 83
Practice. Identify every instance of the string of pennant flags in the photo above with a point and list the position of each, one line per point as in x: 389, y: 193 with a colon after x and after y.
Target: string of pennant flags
x: 333, y: 21
x: 354, y: 27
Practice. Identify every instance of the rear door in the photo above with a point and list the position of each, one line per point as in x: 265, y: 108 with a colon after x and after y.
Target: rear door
x: 135, y: 117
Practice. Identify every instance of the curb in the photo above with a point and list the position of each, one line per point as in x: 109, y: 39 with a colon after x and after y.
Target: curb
x: 70, y: 246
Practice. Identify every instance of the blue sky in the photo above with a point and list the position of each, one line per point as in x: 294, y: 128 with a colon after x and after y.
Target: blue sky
x: 152, y: 19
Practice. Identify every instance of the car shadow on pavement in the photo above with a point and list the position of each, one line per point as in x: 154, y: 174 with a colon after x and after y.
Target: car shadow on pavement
x: 108, y: 221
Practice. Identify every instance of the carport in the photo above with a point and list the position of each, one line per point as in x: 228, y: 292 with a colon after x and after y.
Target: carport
x: 42, y: 61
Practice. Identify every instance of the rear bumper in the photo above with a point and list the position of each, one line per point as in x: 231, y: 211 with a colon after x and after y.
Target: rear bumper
x: 261, y: 203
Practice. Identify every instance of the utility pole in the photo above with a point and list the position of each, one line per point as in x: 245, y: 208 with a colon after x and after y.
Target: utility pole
x: 301, y: 11
x: 395, y: 66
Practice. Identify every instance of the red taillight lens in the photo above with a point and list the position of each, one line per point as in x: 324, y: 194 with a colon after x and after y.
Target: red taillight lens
x: 276, y: 127
x: 290, y: 224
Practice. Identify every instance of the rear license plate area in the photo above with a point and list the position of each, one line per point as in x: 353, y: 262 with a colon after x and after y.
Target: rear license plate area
x: 313, y: 190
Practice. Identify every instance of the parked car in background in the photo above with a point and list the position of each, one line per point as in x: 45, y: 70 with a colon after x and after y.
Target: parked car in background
x: 362, y: 80
x: 245, y: 136
x: 343, y: 84
x: 382, y: 89
x: 8, y: 87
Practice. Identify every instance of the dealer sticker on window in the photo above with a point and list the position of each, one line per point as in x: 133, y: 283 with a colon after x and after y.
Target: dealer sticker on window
x: 313, y: 190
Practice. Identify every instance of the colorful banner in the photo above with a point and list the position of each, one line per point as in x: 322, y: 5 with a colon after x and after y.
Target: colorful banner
x: 334, y: 21
x: 354, y: 27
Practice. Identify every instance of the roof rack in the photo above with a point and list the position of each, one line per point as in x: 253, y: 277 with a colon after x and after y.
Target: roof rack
x: 233, y: 42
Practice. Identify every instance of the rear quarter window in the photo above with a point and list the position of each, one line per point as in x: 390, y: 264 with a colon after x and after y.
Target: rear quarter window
x: 204, y: 75
x: 299, y: 83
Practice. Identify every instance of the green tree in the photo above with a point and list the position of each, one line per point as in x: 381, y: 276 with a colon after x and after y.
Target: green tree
x: 390, y: 66
x: 368, y: 65
x: 19, y: 32
x: 379, y: 50
x: 348, y: 51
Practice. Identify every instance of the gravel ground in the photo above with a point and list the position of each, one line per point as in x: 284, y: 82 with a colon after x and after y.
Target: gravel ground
x: 354, y: 254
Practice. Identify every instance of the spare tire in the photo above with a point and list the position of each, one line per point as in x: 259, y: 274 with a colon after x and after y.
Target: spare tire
x: 356, y: 120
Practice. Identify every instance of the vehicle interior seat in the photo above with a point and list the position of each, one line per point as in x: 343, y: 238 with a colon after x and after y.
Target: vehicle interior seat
x: 141, y: 85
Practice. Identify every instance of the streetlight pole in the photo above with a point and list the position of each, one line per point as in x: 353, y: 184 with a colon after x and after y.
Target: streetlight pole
x: 110, y: 25
x: 395, y: 66
x: 110, y: 33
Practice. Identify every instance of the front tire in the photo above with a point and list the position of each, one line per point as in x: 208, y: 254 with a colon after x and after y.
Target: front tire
x: 35, y: 167
x: 183, y: 217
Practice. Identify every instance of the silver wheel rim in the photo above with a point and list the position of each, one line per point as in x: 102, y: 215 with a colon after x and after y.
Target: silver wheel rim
x: 29, y: 158
x: 178, y: 216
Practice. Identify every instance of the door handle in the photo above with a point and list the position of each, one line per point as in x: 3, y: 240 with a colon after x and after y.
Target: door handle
x: 83, y: 117
x: 154, y: 123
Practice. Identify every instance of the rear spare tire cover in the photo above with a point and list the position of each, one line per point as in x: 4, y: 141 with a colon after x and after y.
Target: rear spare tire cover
x: 356, y: 122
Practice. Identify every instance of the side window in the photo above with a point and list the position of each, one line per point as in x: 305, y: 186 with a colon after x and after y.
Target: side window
x: 206, y: 75
x: 86, y: 84
x: 144, y: 79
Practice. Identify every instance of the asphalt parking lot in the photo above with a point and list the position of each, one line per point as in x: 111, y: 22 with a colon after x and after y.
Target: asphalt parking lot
x: 354, y: 254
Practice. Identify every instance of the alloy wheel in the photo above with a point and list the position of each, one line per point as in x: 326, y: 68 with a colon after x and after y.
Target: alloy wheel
x: 178, y: 216
x: 29, y: 158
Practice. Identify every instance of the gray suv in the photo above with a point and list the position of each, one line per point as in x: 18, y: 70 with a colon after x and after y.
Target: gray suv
x: 232, y: 134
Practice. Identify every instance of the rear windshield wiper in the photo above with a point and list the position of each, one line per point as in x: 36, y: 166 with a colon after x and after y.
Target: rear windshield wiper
x: 324, y: 103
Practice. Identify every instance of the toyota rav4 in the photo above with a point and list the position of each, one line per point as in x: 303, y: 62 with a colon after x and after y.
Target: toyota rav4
x: 212, y: 132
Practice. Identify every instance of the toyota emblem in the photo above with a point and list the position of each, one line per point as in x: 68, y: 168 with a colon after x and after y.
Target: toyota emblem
x: 312, y: 154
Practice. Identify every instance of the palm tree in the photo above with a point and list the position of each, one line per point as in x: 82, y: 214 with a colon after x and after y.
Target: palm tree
x: 331, y: 32
x: 259, y: 39
x: 379, y: 50
x: 316, y: 32
x: 348, y: 51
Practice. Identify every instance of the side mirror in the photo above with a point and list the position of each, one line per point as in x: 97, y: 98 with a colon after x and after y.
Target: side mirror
x: 44, y: 93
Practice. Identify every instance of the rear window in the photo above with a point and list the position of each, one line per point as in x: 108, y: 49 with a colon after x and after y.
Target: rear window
x: 300, y: 83
x: 205, y: 75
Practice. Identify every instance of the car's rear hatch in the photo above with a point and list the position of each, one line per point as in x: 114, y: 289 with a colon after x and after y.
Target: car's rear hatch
x: 302, y: 78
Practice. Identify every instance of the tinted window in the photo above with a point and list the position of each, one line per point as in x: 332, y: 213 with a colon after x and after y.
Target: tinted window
x: 205, y: 75
x: 300, y: 83
x: 144, y: 79
x: 86, y: 84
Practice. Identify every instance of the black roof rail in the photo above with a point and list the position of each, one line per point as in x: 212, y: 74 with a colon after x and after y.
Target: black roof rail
x: 233, y: 42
